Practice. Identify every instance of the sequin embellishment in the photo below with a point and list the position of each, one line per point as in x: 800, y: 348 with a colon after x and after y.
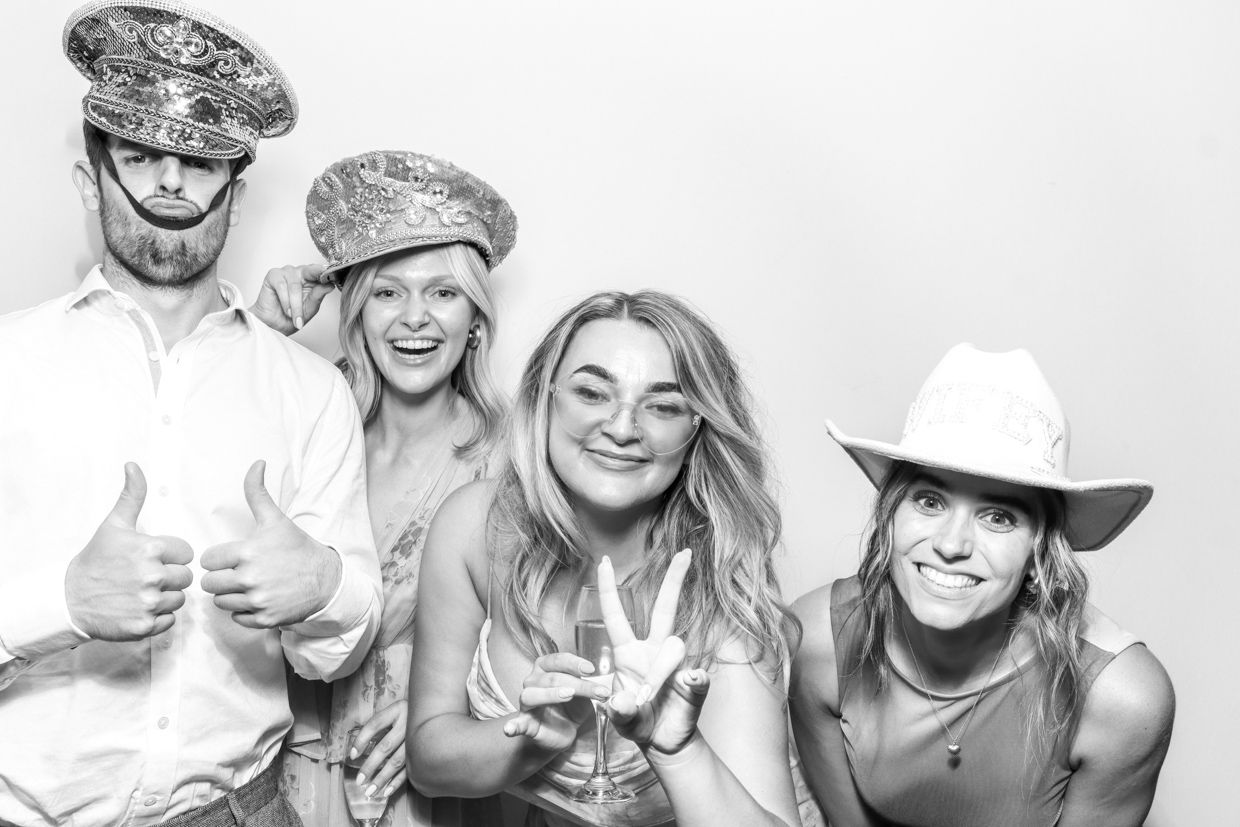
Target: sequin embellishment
x: 380, y: 202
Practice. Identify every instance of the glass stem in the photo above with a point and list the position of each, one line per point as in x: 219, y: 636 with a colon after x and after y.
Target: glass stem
x: 600, y: 746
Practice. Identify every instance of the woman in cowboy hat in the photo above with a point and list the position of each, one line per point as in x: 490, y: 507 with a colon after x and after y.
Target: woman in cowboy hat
x: 412, y: 239
x: 961, y: 677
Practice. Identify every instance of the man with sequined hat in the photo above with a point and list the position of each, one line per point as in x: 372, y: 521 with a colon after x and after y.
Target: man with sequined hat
x: 143, y: 638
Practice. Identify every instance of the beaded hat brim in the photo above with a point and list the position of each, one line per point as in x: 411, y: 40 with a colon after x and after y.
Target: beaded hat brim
x: 168, y: 75
x: 386, y: 201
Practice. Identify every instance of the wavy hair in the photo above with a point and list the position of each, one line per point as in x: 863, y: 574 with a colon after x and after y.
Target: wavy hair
x: 720, y: 505
x: 472, y: 377
x: 1049, y: 608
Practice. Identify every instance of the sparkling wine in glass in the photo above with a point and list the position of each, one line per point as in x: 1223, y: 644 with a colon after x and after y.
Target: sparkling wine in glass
x: 366, y: 810
x: 594, y: 644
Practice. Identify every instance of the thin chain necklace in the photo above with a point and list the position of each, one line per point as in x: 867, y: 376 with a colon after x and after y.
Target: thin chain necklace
x: 954, y: 742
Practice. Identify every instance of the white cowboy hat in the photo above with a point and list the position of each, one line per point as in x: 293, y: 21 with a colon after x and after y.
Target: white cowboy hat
x: 994, y: 415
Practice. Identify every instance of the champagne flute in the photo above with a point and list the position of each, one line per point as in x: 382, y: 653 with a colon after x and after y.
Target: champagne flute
x: 365, y: 809
x: 594, y: 644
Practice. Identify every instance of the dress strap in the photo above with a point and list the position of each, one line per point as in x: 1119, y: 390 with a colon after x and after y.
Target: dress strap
x: 490, y: 572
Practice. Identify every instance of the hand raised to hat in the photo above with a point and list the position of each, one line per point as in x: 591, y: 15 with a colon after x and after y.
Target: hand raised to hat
x: 291, y: 296
x: 277, y: 577
x: 125, y: 585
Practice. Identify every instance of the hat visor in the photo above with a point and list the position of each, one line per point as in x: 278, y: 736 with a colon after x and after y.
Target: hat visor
x: 1098, y: 510
x: 338, y: 270
x: 150, y: 130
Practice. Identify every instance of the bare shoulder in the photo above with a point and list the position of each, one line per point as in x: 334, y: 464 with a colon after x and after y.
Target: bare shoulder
x: 459, y: 528
x: 817, y: 638
x: 1129, y: 709
x: 469, y: 503
x: 813, y: 666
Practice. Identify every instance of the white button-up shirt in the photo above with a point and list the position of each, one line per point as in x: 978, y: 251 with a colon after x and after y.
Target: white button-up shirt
x: 98, y: 733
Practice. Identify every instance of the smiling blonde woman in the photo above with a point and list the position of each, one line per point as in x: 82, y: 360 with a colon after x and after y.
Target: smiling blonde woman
x: 412, y: 239
x: 633, y: 438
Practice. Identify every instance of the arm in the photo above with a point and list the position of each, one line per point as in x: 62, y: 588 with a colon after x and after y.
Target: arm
x: 815, y: 711
x: 34, y: 621
x: 309, y: 568
x: 1120, y: 744
x: 728, y: 755
x: 737, y: 763
x: 291, y: 296
x: 124, y: 585
x: 330, y: 507
x: 450, y: 753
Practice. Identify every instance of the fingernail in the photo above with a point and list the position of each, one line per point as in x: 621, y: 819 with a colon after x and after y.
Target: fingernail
x: 388, y: 792
x: 601, y: 692
x: 566, y: 693
x: 371, y: 790
x: 361, y: 778
x: 644, y: 694
x: 297, y: 322
x: 353, y: 752
x: 587, y: 668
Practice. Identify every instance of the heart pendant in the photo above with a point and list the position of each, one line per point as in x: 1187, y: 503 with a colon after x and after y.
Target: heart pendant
x: 954, y: 749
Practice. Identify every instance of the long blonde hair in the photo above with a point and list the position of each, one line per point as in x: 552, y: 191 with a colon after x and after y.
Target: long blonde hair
x: 720, y: 505
x: 472, y: 378
x: 1049, y: 607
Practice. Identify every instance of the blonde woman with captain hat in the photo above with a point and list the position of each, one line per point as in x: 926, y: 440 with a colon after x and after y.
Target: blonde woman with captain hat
x: 412, y: 240
x: 961, y: 677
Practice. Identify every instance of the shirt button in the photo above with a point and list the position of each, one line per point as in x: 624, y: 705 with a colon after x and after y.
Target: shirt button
x: 163, y: 723
x: 167, y: 420
x: 150, y: 801
x: 163, y: 490
x: 166, y: 643
x: 153, y: 356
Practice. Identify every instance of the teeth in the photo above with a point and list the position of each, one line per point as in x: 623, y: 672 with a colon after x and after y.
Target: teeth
x: 948, y: 581
x: 415, y: 344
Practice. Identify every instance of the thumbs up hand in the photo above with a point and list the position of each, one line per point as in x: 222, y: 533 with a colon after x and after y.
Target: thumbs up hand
x: 125, y: 585
x: 277, y: 577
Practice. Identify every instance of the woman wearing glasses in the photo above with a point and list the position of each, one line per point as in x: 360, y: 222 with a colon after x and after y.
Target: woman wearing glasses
x: 633, y: 438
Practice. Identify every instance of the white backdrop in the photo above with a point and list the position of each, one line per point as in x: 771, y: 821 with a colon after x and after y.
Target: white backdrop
x: 848, y: 189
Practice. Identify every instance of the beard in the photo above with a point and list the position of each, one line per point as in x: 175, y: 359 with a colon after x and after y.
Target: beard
x: 165, y: 259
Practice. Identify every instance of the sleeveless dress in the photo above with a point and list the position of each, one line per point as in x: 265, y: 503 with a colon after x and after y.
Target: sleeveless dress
x: 897, y: 750
x: 547, y: 789
x: 324, y: 713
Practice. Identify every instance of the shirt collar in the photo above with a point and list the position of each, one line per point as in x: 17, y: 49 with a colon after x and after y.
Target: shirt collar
x: 95, y: 283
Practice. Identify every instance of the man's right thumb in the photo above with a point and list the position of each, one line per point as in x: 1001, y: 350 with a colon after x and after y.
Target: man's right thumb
x: 133, y: 495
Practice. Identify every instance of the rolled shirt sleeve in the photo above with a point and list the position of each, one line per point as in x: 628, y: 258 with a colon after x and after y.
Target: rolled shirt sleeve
x: 34, y: 620
x: 330, y: 506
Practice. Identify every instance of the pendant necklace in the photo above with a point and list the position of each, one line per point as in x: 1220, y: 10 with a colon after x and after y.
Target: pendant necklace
x: 954, y: 742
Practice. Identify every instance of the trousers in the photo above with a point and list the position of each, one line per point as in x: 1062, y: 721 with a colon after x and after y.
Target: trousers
x: 258, y: 803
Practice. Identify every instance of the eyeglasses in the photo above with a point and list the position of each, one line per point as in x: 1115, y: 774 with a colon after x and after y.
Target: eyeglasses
x: 663, y: 422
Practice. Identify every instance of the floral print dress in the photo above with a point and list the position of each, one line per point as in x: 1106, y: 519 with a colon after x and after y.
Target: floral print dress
x: 324, y: 713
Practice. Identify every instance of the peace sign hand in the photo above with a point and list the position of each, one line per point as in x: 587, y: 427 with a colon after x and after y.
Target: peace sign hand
x: 658, y: 703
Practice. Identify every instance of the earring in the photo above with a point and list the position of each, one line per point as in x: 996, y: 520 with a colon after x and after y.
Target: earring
x: 474, y: 338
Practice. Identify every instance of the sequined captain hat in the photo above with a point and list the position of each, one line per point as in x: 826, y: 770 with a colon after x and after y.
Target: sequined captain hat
x: 379, y: 202
x: 994, y: 415
x: 168, y: 75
